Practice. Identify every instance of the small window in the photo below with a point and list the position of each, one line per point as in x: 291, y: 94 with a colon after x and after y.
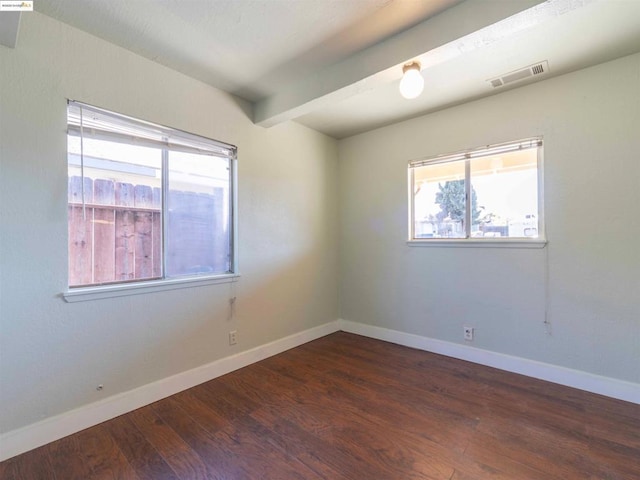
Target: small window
x: 491, y: 193
x: 146, y: 202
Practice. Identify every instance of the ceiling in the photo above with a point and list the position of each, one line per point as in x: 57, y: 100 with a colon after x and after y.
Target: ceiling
x: 335, y: 65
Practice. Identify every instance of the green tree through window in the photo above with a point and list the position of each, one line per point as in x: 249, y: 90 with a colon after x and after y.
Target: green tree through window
x: 451, y: 198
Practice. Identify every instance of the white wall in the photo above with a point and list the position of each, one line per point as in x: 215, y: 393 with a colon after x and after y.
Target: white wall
x: 588, y: 276
x: 52, y: 353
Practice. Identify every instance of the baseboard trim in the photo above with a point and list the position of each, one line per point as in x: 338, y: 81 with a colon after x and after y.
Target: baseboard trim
x: 589, y: 382
x: 35, y: 435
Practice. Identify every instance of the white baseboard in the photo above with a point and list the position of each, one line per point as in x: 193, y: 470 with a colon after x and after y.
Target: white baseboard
x: 35, y: 435
x: 32, y: 436
x: 589, y: 382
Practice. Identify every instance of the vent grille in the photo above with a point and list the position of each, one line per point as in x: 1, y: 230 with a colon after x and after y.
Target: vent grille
x: 521, y: 74
x: 537, y: 69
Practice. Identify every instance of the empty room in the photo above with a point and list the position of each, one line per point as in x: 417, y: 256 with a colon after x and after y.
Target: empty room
x: 320, y: 239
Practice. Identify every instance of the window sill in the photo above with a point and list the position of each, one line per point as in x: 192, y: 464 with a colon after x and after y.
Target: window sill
x: 83, y: 294
x: 478, y: 243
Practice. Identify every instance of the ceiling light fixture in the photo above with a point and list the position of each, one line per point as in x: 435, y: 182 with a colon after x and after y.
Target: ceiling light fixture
x: 412, y: 82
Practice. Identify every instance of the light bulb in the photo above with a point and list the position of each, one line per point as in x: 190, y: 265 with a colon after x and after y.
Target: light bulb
x: 412, y: 82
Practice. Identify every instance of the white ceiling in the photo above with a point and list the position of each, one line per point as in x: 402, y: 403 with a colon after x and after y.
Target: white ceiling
x: 334, y: 65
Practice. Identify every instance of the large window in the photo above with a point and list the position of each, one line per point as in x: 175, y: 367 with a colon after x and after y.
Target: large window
x: 492, y: 192
x: 146, y: 202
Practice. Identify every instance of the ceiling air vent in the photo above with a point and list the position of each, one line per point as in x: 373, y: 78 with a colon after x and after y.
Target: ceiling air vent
x: 522, y: 74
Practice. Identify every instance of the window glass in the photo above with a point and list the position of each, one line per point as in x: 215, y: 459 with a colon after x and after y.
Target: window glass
x: 198, y: 219
x: 490, y: 192
x: 506, y: 187
x: 439, y: 200
x: 145, y: 202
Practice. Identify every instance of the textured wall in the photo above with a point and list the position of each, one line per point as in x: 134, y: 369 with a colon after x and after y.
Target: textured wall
x: 587, y: 278
x: 53, y: 354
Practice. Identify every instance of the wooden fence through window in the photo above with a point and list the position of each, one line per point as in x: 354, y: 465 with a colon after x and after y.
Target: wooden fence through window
x: 121, y: 238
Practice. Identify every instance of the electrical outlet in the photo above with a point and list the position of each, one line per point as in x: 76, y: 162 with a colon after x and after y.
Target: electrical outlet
x: 233, y: 337
x: 468, y: 333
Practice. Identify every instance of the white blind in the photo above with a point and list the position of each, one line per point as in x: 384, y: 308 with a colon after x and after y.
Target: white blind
x: 485, y: 151
x: 102, y: 124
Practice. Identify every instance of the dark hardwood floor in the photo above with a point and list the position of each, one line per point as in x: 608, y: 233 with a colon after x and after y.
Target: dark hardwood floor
x: 348, y: 407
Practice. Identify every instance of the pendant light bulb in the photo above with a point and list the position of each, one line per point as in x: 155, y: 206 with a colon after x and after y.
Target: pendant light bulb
x: 412, y: 82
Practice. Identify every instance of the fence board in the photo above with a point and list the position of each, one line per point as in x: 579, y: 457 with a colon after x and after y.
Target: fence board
x: 143, y: 245
x: 122, y: 236
x: 80, y: 233
x: 75, y: 190
x: 104, y: 232
x: 124, y: 194
x: 143, y: 196
x: 125, y: 246
x: 125, y: 233
x: 80, y: 239
x: 156, y: 242
x: 156, y: 233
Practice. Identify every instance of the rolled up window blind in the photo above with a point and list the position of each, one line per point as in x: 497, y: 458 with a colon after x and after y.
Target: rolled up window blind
x: 87, y: 121
x: 478, y: 152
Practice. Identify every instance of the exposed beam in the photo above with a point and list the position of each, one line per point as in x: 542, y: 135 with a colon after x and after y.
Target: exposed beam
x: 9, y: 26
x: 370, y: 67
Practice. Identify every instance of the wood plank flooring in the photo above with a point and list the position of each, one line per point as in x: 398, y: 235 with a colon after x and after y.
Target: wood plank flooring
x: 349, y: 407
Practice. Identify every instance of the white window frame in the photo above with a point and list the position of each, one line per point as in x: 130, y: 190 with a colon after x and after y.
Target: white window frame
x: 181, y: 141
x: 468, y: 156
